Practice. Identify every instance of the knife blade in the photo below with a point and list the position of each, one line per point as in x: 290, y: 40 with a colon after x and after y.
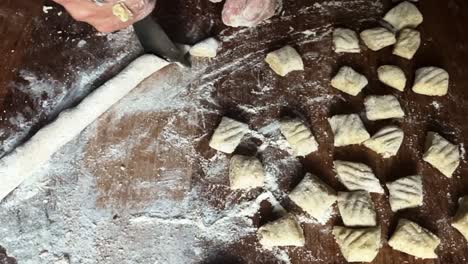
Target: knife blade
x: 154, y: 40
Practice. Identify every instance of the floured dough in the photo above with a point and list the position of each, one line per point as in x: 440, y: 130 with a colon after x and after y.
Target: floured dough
x: 460, y: 221
x: 441, y: 154
x: 247, y: 13
x: 285, y: 60
x: 392, y: 76
x: 228, y: 135
x: 378, y: 38
x: 406, y: 192
x: 29, y: 157
x: 349, y: 81
x: 404, y: 15
x: 348, y: 130
x: 357, y: 176
x: 245, y: 172
x: 285, y: 231
x: 356, y: 208
x: 346, y: 41
x: 407, y: 44
x: 383, y: 107
x: 207, y: 48
x: 414, y: 240
x: 358, y: 244
x: 299, y: 137
x: 431, y: 81
x: 386, y: 141
x: 315, y: 197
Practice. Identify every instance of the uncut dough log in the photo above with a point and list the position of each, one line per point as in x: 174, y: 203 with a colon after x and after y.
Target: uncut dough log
x: 27, y: 158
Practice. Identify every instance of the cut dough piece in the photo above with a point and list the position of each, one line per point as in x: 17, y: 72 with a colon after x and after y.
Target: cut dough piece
x: 407, y: 44
x: 431, y: 81
x: 349, y: 81
x: 460, y: 221
x: 386, y: 141
x: 357, y: 176
x: 358, y: 245
x: 378, y: 38
x: 245, y: 172
x: 26, y: 159
x: 207, y: 48
x: 392, y: 76
x: 348, y: 130
x: 356, y: 208
x: 414, y: 240
x: 383, y: 107
x: 441, y: 154
x: 406, y: 192
x: 345, y: 40
x: 315, y: 197
x: 228, y: 135
x: 285, y: 60
x: 285, y: 231
x: 404, y: 15
x: 247, y: 13
x: 299, y: 137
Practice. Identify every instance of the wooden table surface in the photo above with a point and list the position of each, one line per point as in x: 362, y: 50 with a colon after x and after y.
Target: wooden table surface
x: 29, y: 42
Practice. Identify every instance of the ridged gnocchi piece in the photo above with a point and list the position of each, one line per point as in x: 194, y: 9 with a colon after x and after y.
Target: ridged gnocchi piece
x: 460, y: 221
x: 228, y: 135
x: 407, y: 44
x: 245, y: 172
x: 378, y: 38
x: 386, y: 141
x: 285, y: 231
x: 349, y: 81
x: 358, y: 245
x: 431, y: 81
x: 383, y: 107
x: 412, y: 239
x: 346, y: 41
x: 441, y: 154
x: 404, y: 15
x: 299, y: 137
x: 406, y: 192
x: 284, y: 61
x: 314, y: 197
x: 392, y: 76
x: 348, y: 130
x: 357, y: 176
x: 356, y: 208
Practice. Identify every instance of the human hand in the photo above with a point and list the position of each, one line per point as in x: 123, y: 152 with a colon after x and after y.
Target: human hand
x: 103, y: 16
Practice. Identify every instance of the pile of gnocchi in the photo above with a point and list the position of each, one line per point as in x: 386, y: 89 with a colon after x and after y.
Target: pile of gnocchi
x: 360, y: 238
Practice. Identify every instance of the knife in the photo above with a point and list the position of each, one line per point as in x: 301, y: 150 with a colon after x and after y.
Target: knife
x: 154, y: 40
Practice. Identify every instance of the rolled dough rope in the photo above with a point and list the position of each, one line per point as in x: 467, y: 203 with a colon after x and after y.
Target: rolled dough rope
x: 27, y: 158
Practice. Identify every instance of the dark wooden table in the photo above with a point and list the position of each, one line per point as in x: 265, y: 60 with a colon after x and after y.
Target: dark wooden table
x: 30, y: 41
